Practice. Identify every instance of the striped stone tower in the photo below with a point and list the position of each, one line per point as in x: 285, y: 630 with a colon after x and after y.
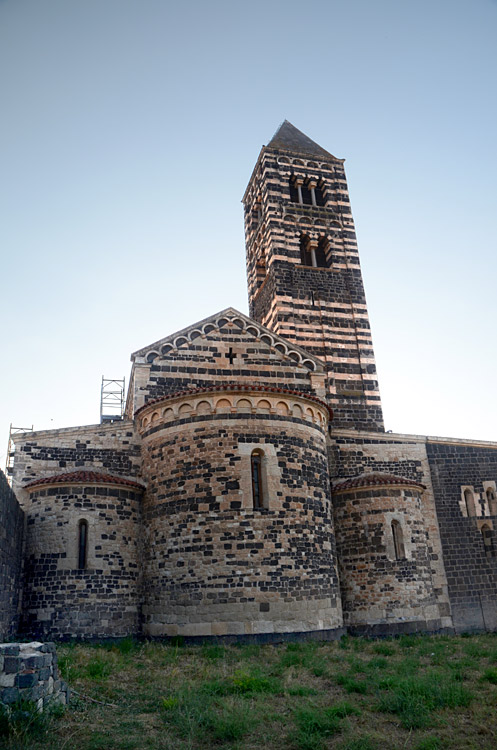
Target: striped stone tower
x: 304, y: 275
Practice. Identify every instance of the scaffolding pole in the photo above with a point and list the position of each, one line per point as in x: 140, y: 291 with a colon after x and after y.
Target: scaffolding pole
x: 11, y: 449
x: 111, y: 400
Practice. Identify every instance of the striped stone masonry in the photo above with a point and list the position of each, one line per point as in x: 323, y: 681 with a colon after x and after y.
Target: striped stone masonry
x: 304, y: 275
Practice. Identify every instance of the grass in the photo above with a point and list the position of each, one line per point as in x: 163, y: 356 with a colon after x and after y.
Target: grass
x: 416, y: 692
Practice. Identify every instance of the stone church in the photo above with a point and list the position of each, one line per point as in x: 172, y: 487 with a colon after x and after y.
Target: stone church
x: 250, y: 490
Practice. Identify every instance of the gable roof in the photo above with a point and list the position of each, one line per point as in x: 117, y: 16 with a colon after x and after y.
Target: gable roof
x: 290, y: 138
x: 244, y: 322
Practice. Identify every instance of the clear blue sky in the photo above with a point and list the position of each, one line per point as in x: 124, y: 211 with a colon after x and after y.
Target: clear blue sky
x: 130, y: 128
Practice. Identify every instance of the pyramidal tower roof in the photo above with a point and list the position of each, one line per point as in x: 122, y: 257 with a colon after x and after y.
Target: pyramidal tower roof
x: 290, y: 138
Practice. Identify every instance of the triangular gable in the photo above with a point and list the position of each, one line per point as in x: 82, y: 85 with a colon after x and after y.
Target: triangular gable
x: 231, y: 315
x: 227, y: 347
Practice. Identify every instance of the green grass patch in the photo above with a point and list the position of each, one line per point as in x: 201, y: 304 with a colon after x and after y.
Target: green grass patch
x: 314, y: 724
x: 490, y: 675
x: 413, y: 699
x: 302, y: 696
x: 384, y: 649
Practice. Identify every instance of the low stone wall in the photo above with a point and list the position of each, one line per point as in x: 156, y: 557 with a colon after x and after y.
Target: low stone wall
x: 28, y: 671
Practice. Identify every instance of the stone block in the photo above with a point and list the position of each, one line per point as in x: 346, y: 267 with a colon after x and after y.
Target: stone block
x: 7, y: 680
x: 9, y: 695
x: 26, y: 680
x: 11, y: 664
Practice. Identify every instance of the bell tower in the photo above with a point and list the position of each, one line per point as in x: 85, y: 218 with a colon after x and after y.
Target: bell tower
x: 304, y: 276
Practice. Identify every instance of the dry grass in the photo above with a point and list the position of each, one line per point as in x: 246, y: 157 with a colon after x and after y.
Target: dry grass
x: 422, y: 693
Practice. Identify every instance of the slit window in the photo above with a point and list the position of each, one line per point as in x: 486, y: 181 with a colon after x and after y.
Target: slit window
x: 398, y: 541
x: 82, y: 544
x: 470, y: 502
x: 257, y: 484
x: 488, y: 542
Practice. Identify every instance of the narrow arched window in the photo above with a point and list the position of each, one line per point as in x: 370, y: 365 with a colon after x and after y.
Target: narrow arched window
x: 398, y: 541
x: 321, y: 249
x: 257, y: 479
x: 260, y: 268
x: 319, y: 192
x: 470, y: 502
x: 488, y: 542
x: 492, y: 502
x: 82, y: 544
x: 305, y: 250
x: 306, y: 194
x: 294, y: 193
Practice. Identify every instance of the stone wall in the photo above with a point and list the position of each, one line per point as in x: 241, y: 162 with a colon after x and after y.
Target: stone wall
x: 101, y: 597
x: 28, y: 671
x: 11, y: 543
x: 214, y: 563
x: 471, y: 570
x: 113, y: 448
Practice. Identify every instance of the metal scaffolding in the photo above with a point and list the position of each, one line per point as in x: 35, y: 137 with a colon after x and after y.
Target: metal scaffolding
x: 11, y: 449
x: 111, y: 400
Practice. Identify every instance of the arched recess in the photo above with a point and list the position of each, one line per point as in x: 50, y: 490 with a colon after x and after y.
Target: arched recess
x: 244, y: 405
x: 297, y: 411
x: 263, y: 405
x: 282, y: 408
x: 203, y: 407
x: 398, y: 540
x: 223, y: 405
